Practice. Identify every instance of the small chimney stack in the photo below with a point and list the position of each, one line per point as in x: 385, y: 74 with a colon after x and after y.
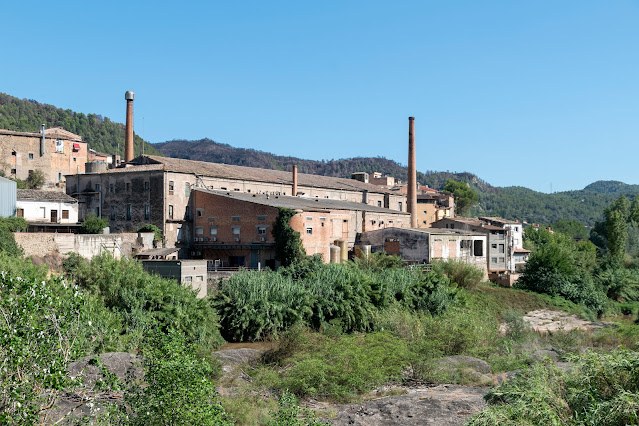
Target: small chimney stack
x: 42, y: 141
x: 412, y: 174
x: 294, y: 180
x: 128, y: 141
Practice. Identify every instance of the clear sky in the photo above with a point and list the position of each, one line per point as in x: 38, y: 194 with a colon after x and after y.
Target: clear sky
x: 531, y: 93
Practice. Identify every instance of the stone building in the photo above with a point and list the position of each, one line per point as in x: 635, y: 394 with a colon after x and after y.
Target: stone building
x: 235, y: 228
x: 419, y: 245
x: 157, y: 190
x: 56, y: 152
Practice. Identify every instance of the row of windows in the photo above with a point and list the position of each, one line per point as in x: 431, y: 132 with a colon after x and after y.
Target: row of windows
x: 235, y: 230
x: 147, y: 212
x: 494, y: 260
x: 127, y: 186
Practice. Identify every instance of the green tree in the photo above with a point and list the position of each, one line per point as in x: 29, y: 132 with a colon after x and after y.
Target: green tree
x: 616, y: 229
x: 8, y: 243
x: 35, y: 179
x: 93, y: 224
x: 464, y: 197
x: 571, y: 227
x: 288, y: 244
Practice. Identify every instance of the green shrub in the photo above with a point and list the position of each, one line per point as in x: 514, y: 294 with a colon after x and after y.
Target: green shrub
x: 93, y: 224
x: 291, y: 414
x: 144, y: 301
x: 177, y: 388
x: 8, y: 244
x: 461, y: 273
x: 157, y: 232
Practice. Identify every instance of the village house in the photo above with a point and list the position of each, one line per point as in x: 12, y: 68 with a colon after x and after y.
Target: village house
x: 157, y: 190
x: 419, y: 245
x: 55, y: 152
x: 47, y: 211
x: 235, y: 228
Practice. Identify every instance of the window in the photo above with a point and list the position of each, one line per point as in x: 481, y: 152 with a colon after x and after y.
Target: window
x: 199, y: 278
x: 261, y: 229
x: 261, y: 217
x: 213, y: 230
x: 112, y: 216
x: 199, y: 212
x: 147, y: 185
x: 97, y: 187
x: 493, y: 259
x: 20, y: 213
x: 493, y: 246
x: 128, y: 186
x: 516, y: 228
x: 501, y: 248
x: 43, y: 212
x: 187, y: 189
x: 501, y: 260
x: 170, y: 187
x: 465, y: 244
x: 479, y: 248
x: 147, y: 212
x: 30, y: 156
x: 379, y: 204
x: 111, y: 188
x: 188, y: 279
x: 13, y: 171
x: 65, y: 214
x: 309, y: 230
x: 400, y: 205
x: 322, y: 219
x: 199, y: 230
x: 187, y: 213
x: 235, y: 218
x: 59, y: 176
x: 170, y: 211
x: 13, y: 153
x: 309, y: 217
x: 235, y: 230
x: 128, y: 211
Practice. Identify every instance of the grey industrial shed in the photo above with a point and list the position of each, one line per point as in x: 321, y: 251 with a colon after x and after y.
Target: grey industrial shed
x: 8, y: 190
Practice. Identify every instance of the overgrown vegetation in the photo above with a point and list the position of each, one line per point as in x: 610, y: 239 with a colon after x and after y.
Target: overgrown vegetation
x: 93, y: 224
x: 9, y: 225
x: 157, y: 232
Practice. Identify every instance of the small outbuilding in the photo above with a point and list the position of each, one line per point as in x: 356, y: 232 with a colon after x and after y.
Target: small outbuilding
x: 190, y: 273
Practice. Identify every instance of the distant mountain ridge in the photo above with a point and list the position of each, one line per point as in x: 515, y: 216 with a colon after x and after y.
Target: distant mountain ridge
x: 520, y: 203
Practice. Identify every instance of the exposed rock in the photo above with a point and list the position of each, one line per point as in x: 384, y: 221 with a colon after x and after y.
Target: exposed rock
x: 544, y: 321
x: 462, y: 361
x: 123, y: 365
x: 438, y: 406
x: 232, y: 357
x: 541, y: 354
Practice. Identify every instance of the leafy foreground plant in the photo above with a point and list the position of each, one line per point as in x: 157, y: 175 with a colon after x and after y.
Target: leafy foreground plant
x: 39, y: 325
x: 176, y: 391
x: 602, y: 389
x: 289, y: 413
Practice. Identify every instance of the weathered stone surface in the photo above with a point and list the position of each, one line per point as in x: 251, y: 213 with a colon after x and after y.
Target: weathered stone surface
x: 541, y: 354
x: 460, y: 361
x: 123, y: 365
x: 441, y: 405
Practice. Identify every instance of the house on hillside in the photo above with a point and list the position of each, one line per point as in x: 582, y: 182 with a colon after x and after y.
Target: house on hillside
x: 56, y: 152
x: 48, y: 211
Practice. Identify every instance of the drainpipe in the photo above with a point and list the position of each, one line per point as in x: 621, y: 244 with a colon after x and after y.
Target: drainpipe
x: 42, y: 141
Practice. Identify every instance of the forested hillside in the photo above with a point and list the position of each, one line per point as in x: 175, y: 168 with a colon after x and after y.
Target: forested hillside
x: 101, y: 133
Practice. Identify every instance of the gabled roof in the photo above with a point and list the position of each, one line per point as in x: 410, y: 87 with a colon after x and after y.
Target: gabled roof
x: 60, y: 132
x: 228, y: 171
x: 299, y: 203
x: 40, y: 195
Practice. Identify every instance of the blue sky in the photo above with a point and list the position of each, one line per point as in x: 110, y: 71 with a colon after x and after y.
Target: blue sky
x: 534, y: 93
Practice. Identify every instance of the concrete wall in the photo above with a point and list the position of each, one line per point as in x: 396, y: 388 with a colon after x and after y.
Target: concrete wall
x: 86, y: 245
x: 191, y: 273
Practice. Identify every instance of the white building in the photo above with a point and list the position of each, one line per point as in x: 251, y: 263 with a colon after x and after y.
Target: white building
x: 50, y: 207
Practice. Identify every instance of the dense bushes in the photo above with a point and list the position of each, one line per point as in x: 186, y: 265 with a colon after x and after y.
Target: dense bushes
x: 93, y: 224
x: 143, y: 302
x: 254, y: 305
x: 8, y: 225
x: 603, y: 389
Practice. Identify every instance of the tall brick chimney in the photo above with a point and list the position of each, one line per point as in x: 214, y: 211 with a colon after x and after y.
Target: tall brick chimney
x: 128, y: 141
x: 412, y: 174
x: 294, y: 180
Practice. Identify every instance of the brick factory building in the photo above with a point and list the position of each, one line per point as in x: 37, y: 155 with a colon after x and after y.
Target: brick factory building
x: 157, y: 190
x: 235, y: 228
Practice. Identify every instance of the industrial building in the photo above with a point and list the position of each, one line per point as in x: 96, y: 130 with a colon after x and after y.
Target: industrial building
x: 419, y: 245
x: 235, y: 228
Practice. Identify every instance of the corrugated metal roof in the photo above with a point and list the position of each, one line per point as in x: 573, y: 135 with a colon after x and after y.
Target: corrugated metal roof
x: 299, y: 203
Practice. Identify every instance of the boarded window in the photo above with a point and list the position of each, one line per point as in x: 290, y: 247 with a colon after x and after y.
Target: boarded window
x: 479, y: 248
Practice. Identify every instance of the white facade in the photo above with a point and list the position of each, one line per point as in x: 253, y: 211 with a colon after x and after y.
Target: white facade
x: 46, y: 211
